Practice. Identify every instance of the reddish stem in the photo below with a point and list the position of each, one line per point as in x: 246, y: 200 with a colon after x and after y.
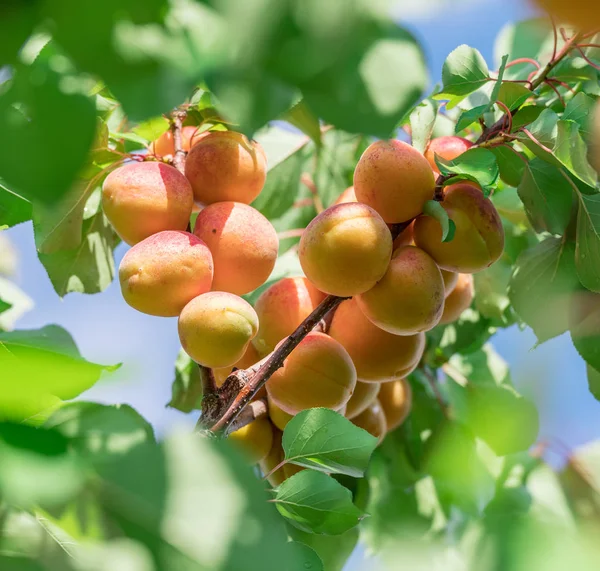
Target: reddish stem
x: 523, y: 60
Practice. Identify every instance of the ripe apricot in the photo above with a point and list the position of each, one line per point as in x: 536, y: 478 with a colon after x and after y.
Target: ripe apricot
x: 278, y: 417
x: 254, y: 440
x: 249, y: 358
x: 346, y: 249
x: 410, y: 296
x: 583, y: 14
x: 272, y: 460
x: 362, y: 397
x: 141, y: 199
x: 479, y: 238
x: 347, y: 196
x: 405, y: 238
x: 318, y: 372
x: 281, y: 308
x: 448, y: 148
x: 396, y: 400
x: 459, y: 300
x: 378, y: 356
x: 372, y: 419
x: 162, y: 273
x: 243, y: 244
x: 450, y: 281
x: 165, y: 145
x: 225, y: 166
x: 395, y: 179
x: 216, y: 327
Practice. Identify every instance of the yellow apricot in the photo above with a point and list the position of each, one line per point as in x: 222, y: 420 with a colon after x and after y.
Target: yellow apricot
x: 395, y: 179
x: 249, y: 358
x: 347, y: 196
x: 364, y: 394
x: 282, y: 308
x: 165, y: 145
x: 254, y: 440
x: 141, y: 199
x: 164, y: 272
x: 479, y: 238
x: 448, y: 148
x: 410, y: 296
x: 459, y: 300
x: 378, y: 356
x: 583, y: 14
x: 346, y: 249
x: 272, y: 460
x: 405, y: 238
x: 450, y: 281
x: 243, y: 244
x: 318, y: 372
x: 216, y: 327
x: 278, y: 417
x: 396, y: 400
x: 372, y: 419
x: 224, y: 166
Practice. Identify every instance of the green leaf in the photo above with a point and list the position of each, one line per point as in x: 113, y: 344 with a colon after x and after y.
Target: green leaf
x: 307, y: 556
x: 547, y: 196
x: 39, y: 365
x: 14, y: 209
x: 88, y: 268
x: 571, y: 151
x: 491, y: 290
x: 315, y: 502
x: 478, y: 165
x: 152, y: 129
x: 333, y: 550
x: 422, y: 122
x: 434, y: 209
x: 544, y: 130
x: 498, y: 84
x: 464, y: 71
x: 526, y: 115
x: 481, y: 367
x: 593, y: 377
x: 300, y: 117
x: 54, y: 124
x: 587, y: 252
x: 579, y: 109
x: 17, y: 22
x: 18, y: 302
x: 466, y: 335
x: 37, y: 467
x: 470, y: 116
x: 4, y: 306
x: 585, y: 326
x: 544, y: 276
x: 186, y: 391
x: 322, y: 439
x: 511, y: 164
x: 513, y: 95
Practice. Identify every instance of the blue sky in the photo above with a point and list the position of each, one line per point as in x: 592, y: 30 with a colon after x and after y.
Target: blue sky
x: 108, y: 331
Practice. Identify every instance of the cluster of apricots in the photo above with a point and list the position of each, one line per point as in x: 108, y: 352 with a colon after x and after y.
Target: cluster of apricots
x: 396, y: 289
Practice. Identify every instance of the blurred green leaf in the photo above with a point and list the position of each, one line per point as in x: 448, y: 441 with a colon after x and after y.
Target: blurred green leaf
x: 422, y: 122
x: 464, y: 71
x: 186, y: 391
x: 593, y: 377
x: 478, y: 165
x: 17, y: 301
x: 323, y: 439
x: 467, y: 334
x: 587, y: 251
x: 14, y: 209
x: 544, y: 276
x: 315, y: 502
x: 17, y: 21
x: 307, y: 556
x: 300, y: 117
x: 333, y: 550
x: 491, y: 289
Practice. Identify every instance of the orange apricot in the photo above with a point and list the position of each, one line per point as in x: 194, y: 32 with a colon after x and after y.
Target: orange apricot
x: 583, y: 14
x: 346, y: 249
x: 164, y: 272
x: 165, y: 145
x: 249, y: 358
x: 243, y: 244
x: 282, y: 308
x: 459, y: 300
x: 479, y: 238
x: 378, y: 356
x: 450, y: 281
x: 372, y: 419
x: 396, y: 400
x: 410, y: 296
x: 278, y: 417
x: 395, y: 179
x: 364, y: 394
x: 215, y: 328
x: 448, y: 148
x: 318, y: 372
x: 347, y: 196
x: 254, y: 440
x: 225, y: 166
x: 141, y: 199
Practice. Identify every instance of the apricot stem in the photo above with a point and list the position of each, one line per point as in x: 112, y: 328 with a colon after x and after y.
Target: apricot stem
x: 177, y: 118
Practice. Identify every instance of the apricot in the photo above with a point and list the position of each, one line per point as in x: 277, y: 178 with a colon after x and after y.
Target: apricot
x: 396, y: 400
x: 395, y: 179
x: 254, y: 440
x: 273, y: 459
x: 249, y: 358
x: 278, y: 417
x: 405, y: 238
x: 410, y: 296
x: 165, y: 145
x: 448, y: 148
x: 372, y: 419
x: 282, y: 308
x: 141, y: 199
x: 378, y: 356
x: 215, y: 328
x: 164, y: 272
x: 346, y: 249
x: 450, y: 281
x: 479, y: 238
x: 318, y: 372
x: 363, y: 396
x: 459, y: 300
x: 224, y: 166
x: 243, y: 244
x: 583, y: 14
x: 347, y: 196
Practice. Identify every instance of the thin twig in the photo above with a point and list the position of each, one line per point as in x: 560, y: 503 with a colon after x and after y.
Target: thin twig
x: 432, y: 380
x: 255, y: 410
x: 309, y: 183
x: 177, y: 118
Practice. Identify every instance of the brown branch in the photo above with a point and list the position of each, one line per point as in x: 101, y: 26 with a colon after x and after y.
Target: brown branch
x: 207, y: 378
x: 177, y: 118
x: 252, y: 412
